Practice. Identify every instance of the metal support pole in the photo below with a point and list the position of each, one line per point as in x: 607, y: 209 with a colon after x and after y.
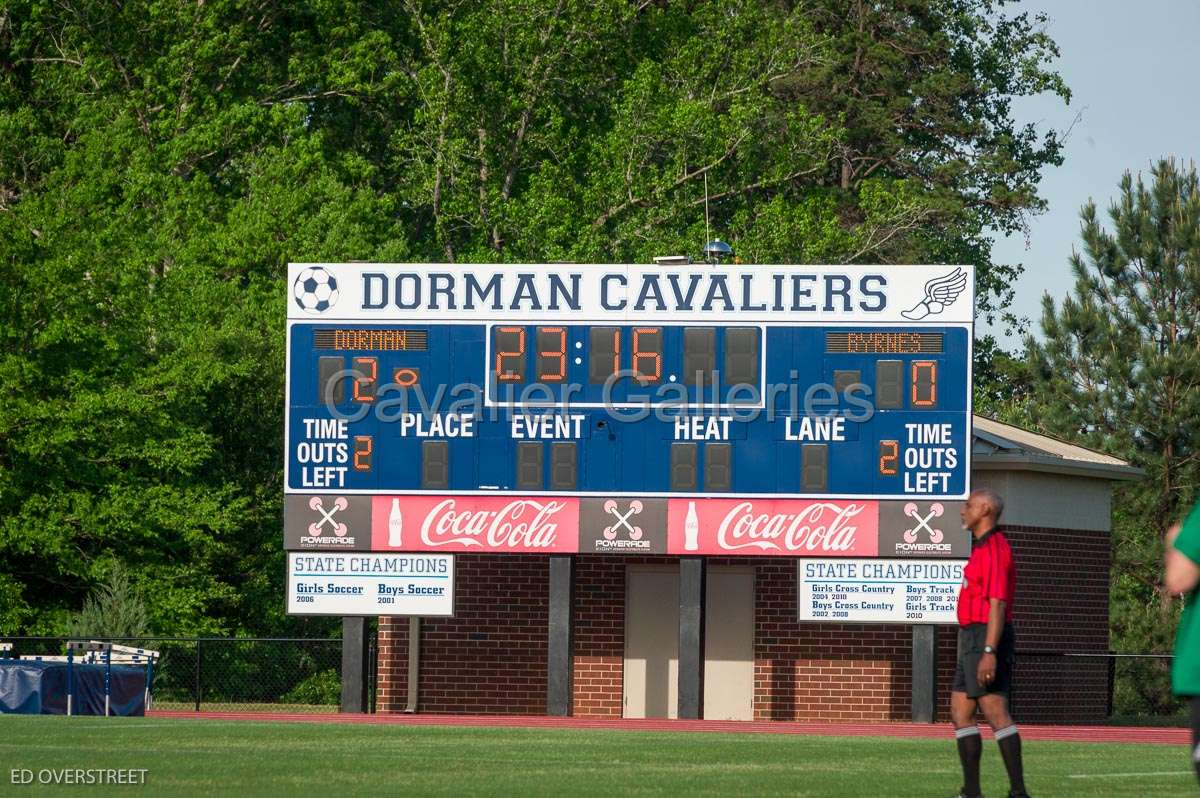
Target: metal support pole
x: 560, y: 647
x: 149, y: 682
x: 196, y: 682
x: 70, y: 680
x: 107, y: 678
x: 1112, y: 680
x: 691, y: 637
x: 924, y: 673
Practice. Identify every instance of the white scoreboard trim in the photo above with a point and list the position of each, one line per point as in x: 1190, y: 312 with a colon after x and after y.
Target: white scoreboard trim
x: 878, y: 591
x: 612, y: 293
x: 362, y: 583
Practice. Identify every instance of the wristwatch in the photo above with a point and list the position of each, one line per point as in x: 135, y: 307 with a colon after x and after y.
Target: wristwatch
x: 989, y: 650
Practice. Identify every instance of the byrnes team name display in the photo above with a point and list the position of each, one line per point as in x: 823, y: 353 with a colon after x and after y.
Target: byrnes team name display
x: 810, y: 411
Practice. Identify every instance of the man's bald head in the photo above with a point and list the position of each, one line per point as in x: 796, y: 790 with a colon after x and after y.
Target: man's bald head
x: 993, y: 499
x: 982, y: 510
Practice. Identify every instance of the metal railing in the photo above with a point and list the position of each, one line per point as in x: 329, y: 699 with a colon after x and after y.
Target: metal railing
x: 234, y: 674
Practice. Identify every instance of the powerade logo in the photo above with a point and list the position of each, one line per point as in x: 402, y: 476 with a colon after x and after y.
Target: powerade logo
x: 921, y: 528
x: 316, y: 530
x: 623, y: 525
x: 922, y: 525
x: 624, y: 521
x: 925, y: 534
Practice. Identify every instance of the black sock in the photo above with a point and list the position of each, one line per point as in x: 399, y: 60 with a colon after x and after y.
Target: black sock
x: 1010, y: 749
x: 970, y: 748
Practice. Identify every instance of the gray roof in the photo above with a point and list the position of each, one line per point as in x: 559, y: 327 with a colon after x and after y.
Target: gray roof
x: 999, y: 446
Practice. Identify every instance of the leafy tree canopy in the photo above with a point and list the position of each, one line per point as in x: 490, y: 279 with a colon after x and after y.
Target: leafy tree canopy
x: 161, y: 162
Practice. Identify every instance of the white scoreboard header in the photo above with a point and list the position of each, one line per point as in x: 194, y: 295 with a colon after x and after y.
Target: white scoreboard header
x: 533, y: 293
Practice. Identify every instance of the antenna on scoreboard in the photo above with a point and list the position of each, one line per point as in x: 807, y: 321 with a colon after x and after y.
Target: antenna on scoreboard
x: 715, y: 250
x: 707, y: 231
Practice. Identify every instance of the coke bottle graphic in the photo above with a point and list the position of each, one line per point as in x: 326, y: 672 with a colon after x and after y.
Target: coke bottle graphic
x: 691, y: 529
x: 395, y: 525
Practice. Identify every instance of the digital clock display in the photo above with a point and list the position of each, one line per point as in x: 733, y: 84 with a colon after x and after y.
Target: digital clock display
x: 622, y: 359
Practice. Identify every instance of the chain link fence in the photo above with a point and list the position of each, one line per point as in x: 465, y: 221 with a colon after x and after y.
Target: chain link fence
x: 1120, y: 689
x: 1142, y: 690
x: 282, y: 674
x: 234, y: 674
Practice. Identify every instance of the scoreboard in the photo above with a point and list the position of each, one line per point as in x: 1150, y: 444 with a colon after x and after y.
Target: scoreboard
x: 415, y: 384
x: 695, y: 387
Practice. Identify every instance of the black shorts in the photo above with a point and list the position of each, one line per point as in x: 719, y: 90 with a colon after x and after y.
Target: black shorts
x: 971, y: 640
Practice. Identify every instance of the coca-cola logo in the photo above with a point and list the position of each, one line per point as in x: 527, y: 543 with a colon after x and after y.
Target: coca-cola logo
x: 519, y: 524
x: 819, y: 526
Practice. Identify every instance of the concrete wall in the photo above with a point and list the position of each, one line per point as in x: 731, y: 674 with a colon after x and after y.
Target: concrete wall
x: 1038, y: 499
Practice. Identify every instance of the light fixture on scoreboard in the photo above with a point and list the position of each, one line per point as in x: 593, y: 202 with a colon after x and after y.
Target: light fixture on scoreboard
x: 717, y: 250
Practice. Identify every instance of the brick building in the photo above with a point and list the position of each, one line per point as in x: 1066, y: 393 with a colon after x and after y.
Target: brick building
x: 612, y: 646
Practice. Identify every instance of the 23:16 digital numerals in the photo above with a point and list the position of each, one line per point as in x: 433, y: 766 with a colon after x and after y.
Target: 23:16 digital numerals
x: 511, y: 353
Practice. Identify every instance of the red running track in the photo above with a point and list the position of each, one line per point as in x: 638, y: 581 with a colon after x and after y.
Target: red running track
x: 1079, y: 734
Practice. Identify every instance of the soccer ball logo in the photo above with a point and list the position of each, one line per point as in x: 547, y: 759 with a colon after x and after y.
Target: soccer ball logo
x: 316, y: 290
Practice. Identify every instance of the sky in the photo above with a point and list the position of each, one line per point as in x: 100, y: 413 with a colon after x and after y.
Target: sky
x: 1132, y: 71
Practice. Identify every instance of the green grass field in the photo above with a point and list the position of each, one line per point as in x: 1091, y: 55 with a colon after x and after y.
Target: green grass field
x: 186, y: 757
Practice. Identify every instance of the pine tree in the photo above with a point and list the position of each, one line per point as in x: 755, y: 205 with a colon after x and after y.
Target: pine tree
x: 115, y: 609
x: 1119, y: 369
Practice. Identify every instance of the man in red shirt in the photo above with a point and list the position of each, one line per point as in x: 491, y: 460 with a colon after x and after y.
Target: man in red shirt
x: 983, y: 676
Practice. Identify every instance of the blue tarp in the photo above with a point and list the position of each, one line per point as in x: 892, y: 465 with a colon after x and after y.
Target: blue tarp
x: 29, y: 687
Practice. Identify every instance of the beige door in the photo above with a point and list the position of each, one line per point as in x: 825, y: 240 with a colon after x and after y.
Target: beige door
x: 729, y: 644
x: 651, y: 642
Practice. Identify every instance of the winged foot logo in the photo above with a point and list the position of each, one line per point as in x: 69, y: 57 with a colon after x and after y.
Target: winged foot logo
x: 940, y: 294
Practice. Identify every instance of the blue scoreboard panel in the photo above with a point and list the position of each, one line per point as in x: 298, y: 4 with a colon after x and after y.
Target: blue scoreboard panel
x: 755, y: 381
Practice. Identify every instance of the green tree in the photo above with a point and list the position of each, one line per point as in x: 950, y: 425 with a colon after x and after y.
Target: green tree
x: 1119, y: 369
x: 922, y: 90
x: 160, y: 164
x: 114, y: 609
x: 1003, y: 385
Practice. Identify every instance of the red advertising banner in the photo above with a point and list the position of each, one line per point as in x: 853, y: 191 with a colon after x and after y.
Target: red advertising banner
x: 773, y: 527
x: 499, y: 524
